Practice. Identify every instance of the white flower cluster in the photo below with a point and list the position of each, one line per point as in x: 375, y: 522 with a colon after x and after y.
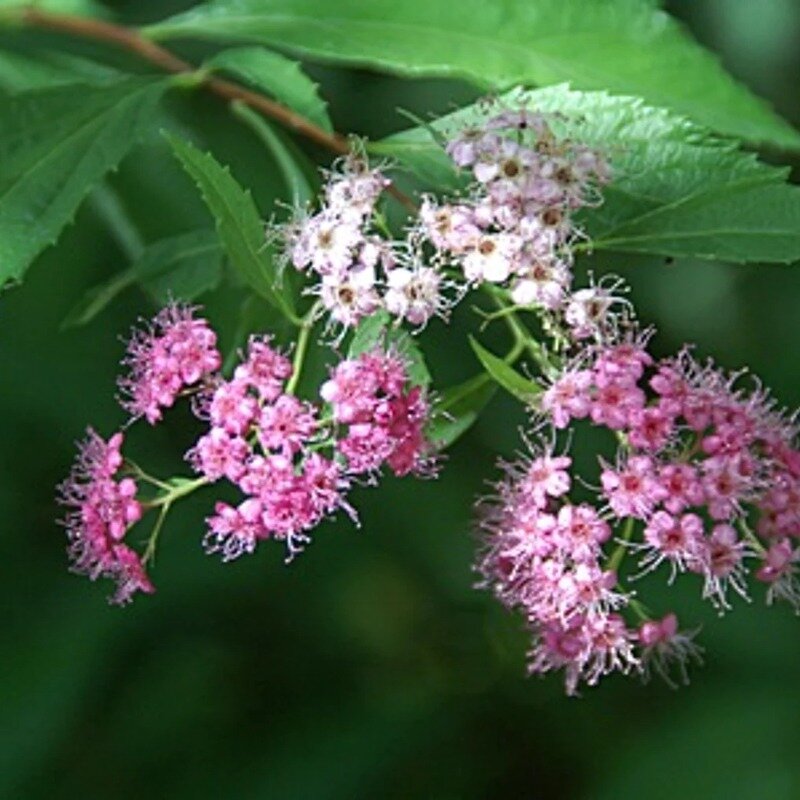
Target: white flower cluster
x: 359, y: 270
x: 514, y: 228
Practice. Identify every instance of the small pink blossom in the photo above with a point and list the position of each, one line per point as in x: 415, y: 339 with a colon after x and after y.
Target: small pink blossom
x: 219, y: 454
x: 286, y: 425
x: 676, y: 540
x: 102, y: 510
x: 569, y: 397
x: 264, y: 369
x: 233, y: 408
x: 664, y: 646
x: 633, y: 490
x: 174, y: 351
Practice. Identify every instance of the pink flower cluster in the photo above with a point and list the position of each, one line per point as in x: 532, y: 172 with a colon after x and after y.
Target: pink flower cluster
x: 102, y: 509
x: 516, y: 224
x: 383, y: 417
x: 544, y: 556
x: 174, y: 351
x: 706, y: 480
x: 270, y: 444
x: 359, y: 271
x: 294, y: 461
x: 700, y: 456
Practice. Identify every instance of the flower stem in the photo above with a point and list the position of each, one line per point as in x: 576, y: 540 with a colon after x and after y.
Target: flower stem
x: 751, y: 537
x: 518, y: 330
x: 619, y: 553
x: 150, y: 551
x: 301, y: 349
x: 180, y: 487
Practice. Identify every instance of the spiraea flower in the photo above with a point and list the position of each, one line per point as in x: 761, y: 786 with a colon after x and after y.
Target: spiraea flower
x: 102, y: 508
x: 705, y: 482
x: 383, y: 414
x: 357, y: 270
x: 174, y: 351
x: 294, y: 465
x: 516, y: 223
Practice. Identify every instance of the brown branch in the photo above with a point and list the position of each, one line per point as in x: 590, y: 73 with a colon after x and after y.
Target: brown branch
x: 134, y: 42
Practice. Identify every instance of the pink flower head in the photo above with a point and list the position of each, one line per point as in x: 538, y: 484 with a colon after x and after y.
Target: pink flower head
x: 219, y: 454
x: 265, y: 369
x: 546, y: 476
x: 664, y: 646
x: 569, y: 397
x: 581, y: 531
x: 651, y: 428
x: 616, y: 403
x: 386, y: 420
x: 682, y: 487
x: 722, y: 564
x: 779, y: 571
x: 676, y: 540
x: 633, y: 490
x: 235, y: 531
x: 287, y: 425
x: 174, y: 351
x: 102, y: 510
x: 233, y: 408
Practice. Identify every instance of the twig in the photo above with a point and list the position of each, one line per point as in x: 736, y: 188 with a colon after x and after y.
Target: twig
x: 134, y: 42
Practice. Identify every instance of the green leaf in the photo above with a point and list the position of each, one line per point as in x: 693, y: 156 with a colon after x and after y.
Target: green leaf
x: 82, y: 7
x: 22, y: 72
x: 368, y: 334
x: 296, y: 170
x: 505, y: 375
x: 57, y: 144
x: 375, y: 331
x: 181, y: 267
x: 239, y: 224
x: 407, y: 347
x: 459, y: 408
x: 623, y: 46
x: 676, y: 190
x: 278, y: 76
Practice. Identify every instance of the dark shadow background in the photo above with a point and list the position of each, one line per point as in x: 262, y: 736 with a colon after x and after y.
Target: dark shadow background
x: 370, y: 668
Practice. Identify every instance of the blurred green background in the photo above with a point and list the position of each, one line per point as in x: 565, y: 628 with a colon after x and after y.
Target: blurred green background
x: 369, y: 668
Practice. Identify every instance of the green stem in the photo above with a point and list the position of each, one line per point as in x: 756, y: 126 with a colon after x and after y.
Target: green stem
x: 301, y: 349
x: 640, y: 610
x: 152, y: 542
x: 619, y: 553
x: 751, y: 537
x: 175, y: 491
x: 517, y: 328
x: 142, y: 475
x: 163, y: 503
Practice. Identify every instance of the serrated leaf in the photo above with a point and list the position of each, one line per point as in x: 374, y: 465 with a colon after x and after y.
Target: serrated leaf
x: 180, y: 267
x: 676, y: 190
x: 239, y: 224
x: 458, y: 409
x: 623, y: 46
x: 57, y: 144
x: 504, y: 374
x: 278, y: 76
